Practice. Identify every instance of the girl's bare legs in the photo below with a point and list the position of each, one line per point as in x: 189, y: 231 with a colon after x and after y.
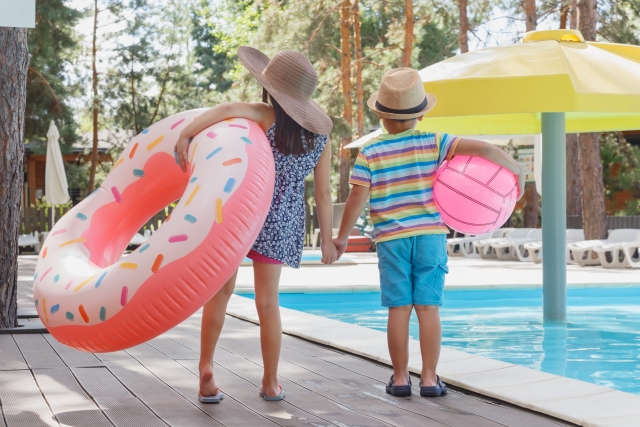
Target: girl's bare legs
x: 430, y: 341
x: 267, y: 279
x: 398, y: 341
x: 212, y: 320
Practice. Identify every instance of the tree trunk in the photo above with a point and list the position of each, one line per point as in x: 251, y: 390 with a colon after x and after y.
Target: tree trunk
x: 573, y: 15
x: 14, y: 65
x: 587, y: 19
x: 564, y: 15
x: 574, y: 182
x: 94, y: 149
x: 531, y: 196
x: 594, y: 213
x: 531, y: 206
x: 464, y: 27
x: 408, y: 33
x: 347, y: 107
x: 531, y: 14
x: 359, y: 87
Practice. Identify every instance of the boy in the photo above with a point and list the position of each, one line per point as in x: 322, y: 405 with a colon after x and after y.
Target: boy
x: 396, y: 170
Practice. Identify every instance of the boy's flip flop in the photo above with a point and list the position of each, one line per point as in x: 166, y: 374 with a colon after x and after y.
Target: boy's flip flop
x: 440, y: 389
x: 272, y: 398
x: 398, y: 390
x: 211, y: 399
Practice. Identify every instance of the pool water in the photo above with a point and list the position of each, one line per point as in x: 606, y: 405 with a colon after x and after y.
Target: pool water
x: 600, y: 344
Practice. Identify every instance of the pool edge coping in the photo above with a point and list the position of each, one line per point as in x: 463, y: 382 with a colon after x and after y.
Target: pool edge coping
x: 478, y: 374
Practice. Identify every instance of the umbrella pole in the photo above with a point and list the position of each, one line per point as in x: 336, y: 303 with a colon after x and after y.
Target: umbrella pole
x: 554, y: 218
x: 52, y: 218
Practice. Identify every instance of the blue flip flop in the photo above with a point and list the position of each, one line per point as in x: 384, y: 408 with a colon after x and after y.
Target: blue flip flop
x: 273, y: 398
x: 211, y: 399
x: 440, y: 389
x: 398, y: 390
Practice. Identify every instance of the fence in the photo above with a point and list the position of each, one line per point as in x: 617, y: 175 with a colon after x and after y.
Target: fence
x: 38, y: 219
x: 614, y: 222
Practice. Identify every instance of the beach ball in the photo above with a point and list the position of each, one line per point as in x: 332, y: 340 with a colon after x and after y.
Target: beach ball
x: 474, y: 195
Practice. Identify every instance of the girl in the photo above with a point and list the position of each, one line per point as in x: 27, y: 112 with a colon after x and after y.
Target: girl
x: 297, y: 130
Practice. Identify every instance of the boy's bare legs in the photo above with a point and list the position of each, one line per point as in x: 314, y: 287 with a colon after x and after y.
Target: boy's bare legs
x: 212, y: 322
x: 267, y: 280
x: 430, y: 341
x: 398, y: 341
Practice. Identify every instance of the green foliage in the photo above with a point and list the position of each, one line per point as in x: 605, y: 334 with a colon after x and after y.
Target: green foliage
x: 621, y: 168
x: 619, y: 21
x: 53, y: 48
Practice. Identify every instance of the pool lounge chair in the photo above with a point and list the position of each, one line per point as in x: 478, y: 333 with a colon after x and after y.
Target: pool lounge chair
x: 512, y: 248
x: 583, y: 252
x: 620, y: 254
x: 463, y: 246
x: 486, y: 251
x: 139, y: 239
x: 32, y: 239
x: 535, y: 248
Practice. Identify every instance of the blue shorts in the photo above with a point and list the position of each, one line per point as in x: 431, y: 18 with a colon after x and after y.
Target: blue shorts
x: 412, y: 270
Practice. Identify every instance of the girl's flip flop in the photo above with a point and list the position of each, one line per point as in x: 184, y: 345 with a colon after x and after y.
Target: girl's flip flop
x: 211, y: 399
x: 272, y: 398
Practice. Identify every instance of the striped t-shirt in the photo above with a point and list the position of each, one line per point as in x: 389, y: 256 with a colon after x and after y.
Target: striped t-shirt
x: 400, y: 169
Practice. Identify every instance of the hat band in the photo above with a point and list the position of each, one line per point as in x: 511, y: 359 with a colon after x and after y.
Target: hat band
x: 413, y: 110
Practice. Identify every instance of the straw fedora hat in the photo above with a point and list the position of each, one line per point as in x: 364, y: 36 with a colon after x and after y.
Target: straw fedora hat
x: 291, y: 80
x: 401, y: 96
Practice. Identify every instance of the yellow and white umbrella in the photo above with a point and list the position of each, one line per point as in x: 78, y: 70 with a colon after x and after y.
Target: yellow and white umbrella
x: 552, y: 83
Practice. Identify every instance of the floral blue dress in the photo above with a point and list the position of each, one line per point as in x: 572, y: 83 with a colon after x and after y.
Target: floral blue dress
x: 282, y: 235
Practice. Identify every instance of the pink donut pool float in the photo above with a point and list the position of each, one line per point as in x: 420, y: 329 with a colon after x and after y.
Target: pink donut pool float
x: 474, y: 195
x: 92, y: 298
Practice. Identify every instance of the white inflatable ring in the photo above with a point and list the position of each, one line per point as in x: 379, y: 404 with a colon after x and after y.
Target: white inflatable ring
x: 91, y: 298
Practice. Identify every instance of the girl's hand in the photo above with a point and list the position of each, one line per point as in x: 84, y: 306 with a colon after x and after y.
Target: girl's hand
x: 182, y: 150
x: 340, y: 245
x: 329, y: 252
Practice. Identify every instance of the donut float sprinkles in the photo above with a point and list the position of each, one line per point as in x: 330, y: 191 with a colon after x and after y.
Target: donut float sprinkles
x: 92, y: 298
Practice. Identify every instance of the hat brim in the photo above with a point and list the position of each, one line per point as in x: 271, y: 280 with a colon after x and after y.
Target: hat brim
x: 431, y: 102
x: 307, y: 114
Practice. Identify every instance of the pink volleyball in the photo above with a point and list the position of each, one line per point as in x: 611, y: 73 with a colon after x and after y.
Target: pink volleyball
x: 474, y: 195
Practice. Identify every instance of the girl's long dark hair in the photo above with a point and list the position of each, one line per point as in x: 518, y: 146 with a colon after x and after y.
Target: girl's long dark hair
x: 290, y: 138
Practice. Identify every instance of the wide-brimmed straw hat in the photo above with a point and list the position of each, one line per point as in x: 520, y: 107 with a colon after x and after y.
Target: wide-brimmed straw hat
x: 401, y: 96
x: 291, y: 80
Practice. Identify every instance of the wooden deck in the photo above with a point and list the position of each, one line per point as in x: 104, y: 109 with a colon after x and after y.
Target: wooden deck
x: 43, y: 383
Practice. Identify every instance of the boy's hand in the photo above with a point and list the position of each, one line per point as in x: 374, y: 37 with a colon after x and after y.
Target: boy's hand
x: 329, y: 252
x: 181, y: 149
x: 340, y: 245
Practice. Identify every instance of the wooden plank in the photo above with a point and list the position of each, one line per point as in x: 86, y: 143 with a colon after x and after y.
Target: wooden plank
x: 121, y: 407
x: 160, y: 398
x: 22, y: 403
x: 10, y: 356
x: 370, y: 378
x: 37, y: 352
x: 165, y: 345
x: 71, y: 357
x: 67, y: 399
x: 282, y: 413
x: 230, y: 412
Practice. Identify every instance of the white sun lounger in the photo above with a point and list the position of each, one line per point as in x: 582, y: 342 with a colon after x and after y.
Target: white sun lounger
x: 583, y: 252
x: 139, y: 239
x: 512, y: 248
x: 486, y: 251
x: 620, y: 254
x: 30, y: 240
x: 535, y: 248
x: 463, y: 246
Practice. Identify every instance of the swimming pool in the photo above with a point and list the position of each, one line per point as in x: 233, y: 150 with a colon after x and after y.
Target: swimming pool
x: 600, y: 344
